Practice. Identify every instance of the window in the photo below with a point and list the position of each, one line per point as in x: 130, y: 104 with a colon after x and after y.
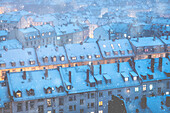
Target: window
x: 81, y: 101
x: 42, y: 34
x: 58, y: 38
x: 49, y: 111
x: 128, y: 90
x: 97, y: 56
x: 136, y: 89
x: 118, y: 91
x: 109, y: 93
x: 49, y: 33
x: 126, y: 79
x: 70, y: 98
x: 81, y: 110
x: 104, y: 46
x: 19, y: 107
x: 62, y: 58
x: 100, y: 111
x: 92, y: 95
x: 31, y: 104
x: 92, y: 105
x: 26, y: 105
x: 73, y: 58
x: 168, y: 85
x: 144, y: 87
x: 48, y: 102
x: 74, y: 107
x: 18, y: 94
x: 70, y: 108
x: 100, y: 94
x: 7, y: 106
x: 68, y: 87
x: 100, y: 103
x: 89, y: 56
x: 61, y: 101
x: 151, y: 87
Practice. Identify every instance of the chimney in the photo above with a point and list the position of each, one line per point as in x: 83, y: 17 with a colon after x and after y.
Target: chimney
x: 24, y: 75
x: 56, y: 48
x: 70, y: 76
x: 152, y: 64
x: 167, y: 37
x: 6, y: 49
x: 160, y: 64
x: 154, y: 38
x: 100, y: 68
x: 46, y: 73
x: 109, y: 35
x: 118, y: 66
x: 81, y: 43
x: 92, y: 68
x: 87, y: 78
x: 137, y: 39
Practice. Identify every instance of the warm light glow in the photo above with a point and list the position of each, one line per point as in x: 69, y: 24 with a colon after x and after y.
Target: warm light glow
x: 144, y: 87
x: 134, y: 78
x: 136, y: 89
x: 104, y: 46
x: 100, y: 103
x: 151, y: 86
x: 128, y: 90
x: 126, y: 79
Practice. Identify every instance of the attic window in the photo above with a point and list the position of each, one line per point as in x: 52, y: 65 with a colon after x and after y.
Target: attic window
x: 89, y: 56
x: 68, y: 87
x: 97, y: 56
x: 81, y: 57
x: 54, y: 59
x: 107, y: 53
x: 73, y: 58
x: 22, y: 63
x: 2, y: 64
x: 126, y: 79
x: 13, y: 63
x: 18, y: 94
x: 112, y: 46
x: 34, y: 37
x: 135, y: 78
x: 32, y: 62
x: 104, y: 46
x: 49, y: 33
x: 48, y: 90
x: 115, y: 52
x: 30, y: 37
x: 45, y: 59
x: 62, y: 58
x: 122, y: 52
x: 30, y: 92
x: 119, y: 45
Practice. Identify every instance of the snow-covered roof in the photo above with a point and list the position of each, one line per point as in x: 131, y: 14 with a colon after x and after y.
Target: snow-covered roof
x: 85, y: 49
x: 17, y: 55
x: 146, y: 41
x: 3, y: 33
x: 10, y: 44
x: 37, y: 81
x: 109, y: 48
x: 165, y: 39
x: 51, y: 51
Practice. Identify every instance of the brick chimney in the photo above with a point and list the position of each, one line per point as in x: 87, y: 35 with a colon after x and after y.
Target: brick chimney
x: 118, y: 66
x: 160, y: 64
x: 154, y: 38
x: 24, y: 75
x: 70, y: 76
x: 46, y: 73
x: 152, y: 64
x: 100, y: 69
x: 167, y: 38
x: 87, y: 78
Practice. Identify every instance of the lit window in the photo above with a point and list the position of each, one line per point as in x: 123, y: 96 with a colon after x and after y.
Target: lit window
x: 126, y: 79
x: 167, y: 93
x: 68, y: 87
x: 101, y: 111
x: 42, y: 34
x: 49, y: 102
x: 49, y: 33
x: 104, y: 46
x: 18, y: 94
x: 151, y: 86
x: 58, y: 38
x: 136, y: 89
x: 128, y: 90
x: 112, y: 46
x: 125, y: 35
x: 100, y: 103
x: 134, y: 78
x: 30, y: 37
x: 48, y: 111
x: 62, y: 58
x: 119, y: 46
x: 144, y: 87
x: 69, y: 40
x: 89, y: 56
x: 34, y: 36
x: 97, y: 56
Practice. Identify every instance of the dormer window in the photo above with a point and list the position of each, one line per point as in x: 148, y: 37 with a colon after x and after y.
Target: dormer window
x: 150, y: 76
x: 125, y: 77
x: 81, y: 57
x: 97, y: 56
x: 92, y: 84
x: 144, y: 77
x: 32, y: 62
x: 45, y: 59
x: 89, y: 56
x: 22, y: 63
x: 73, y: 58
x: 107, y: 53
x: 13, y: 64
x: 48, y: 90
x: 62, y: 58
x: 135, y: 78
x: 129, y: 51
x: 2, y: 64
x: 60, y: 89
x: 30, y: 92
x: 122, y: 52
x: 18, y: 94
x: 115, y: 52
x: 68, y: 87
x: 54, y: 58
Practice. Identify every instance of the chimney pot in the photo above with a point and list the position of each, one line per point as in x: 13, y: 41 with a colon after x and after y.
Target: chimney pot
x: 87, y: 78
x: 70, y: 76
x: 118, y: 66
x: 152, y: 64
x: 160, y: 64
x: 46, y: 73
x: 24, y: 75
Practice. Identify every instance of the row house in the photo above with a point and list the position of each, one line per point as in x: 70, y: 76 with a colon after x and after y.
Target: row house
x: 148, y: 47
x: 89, y: 88
x: 166, y: 41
